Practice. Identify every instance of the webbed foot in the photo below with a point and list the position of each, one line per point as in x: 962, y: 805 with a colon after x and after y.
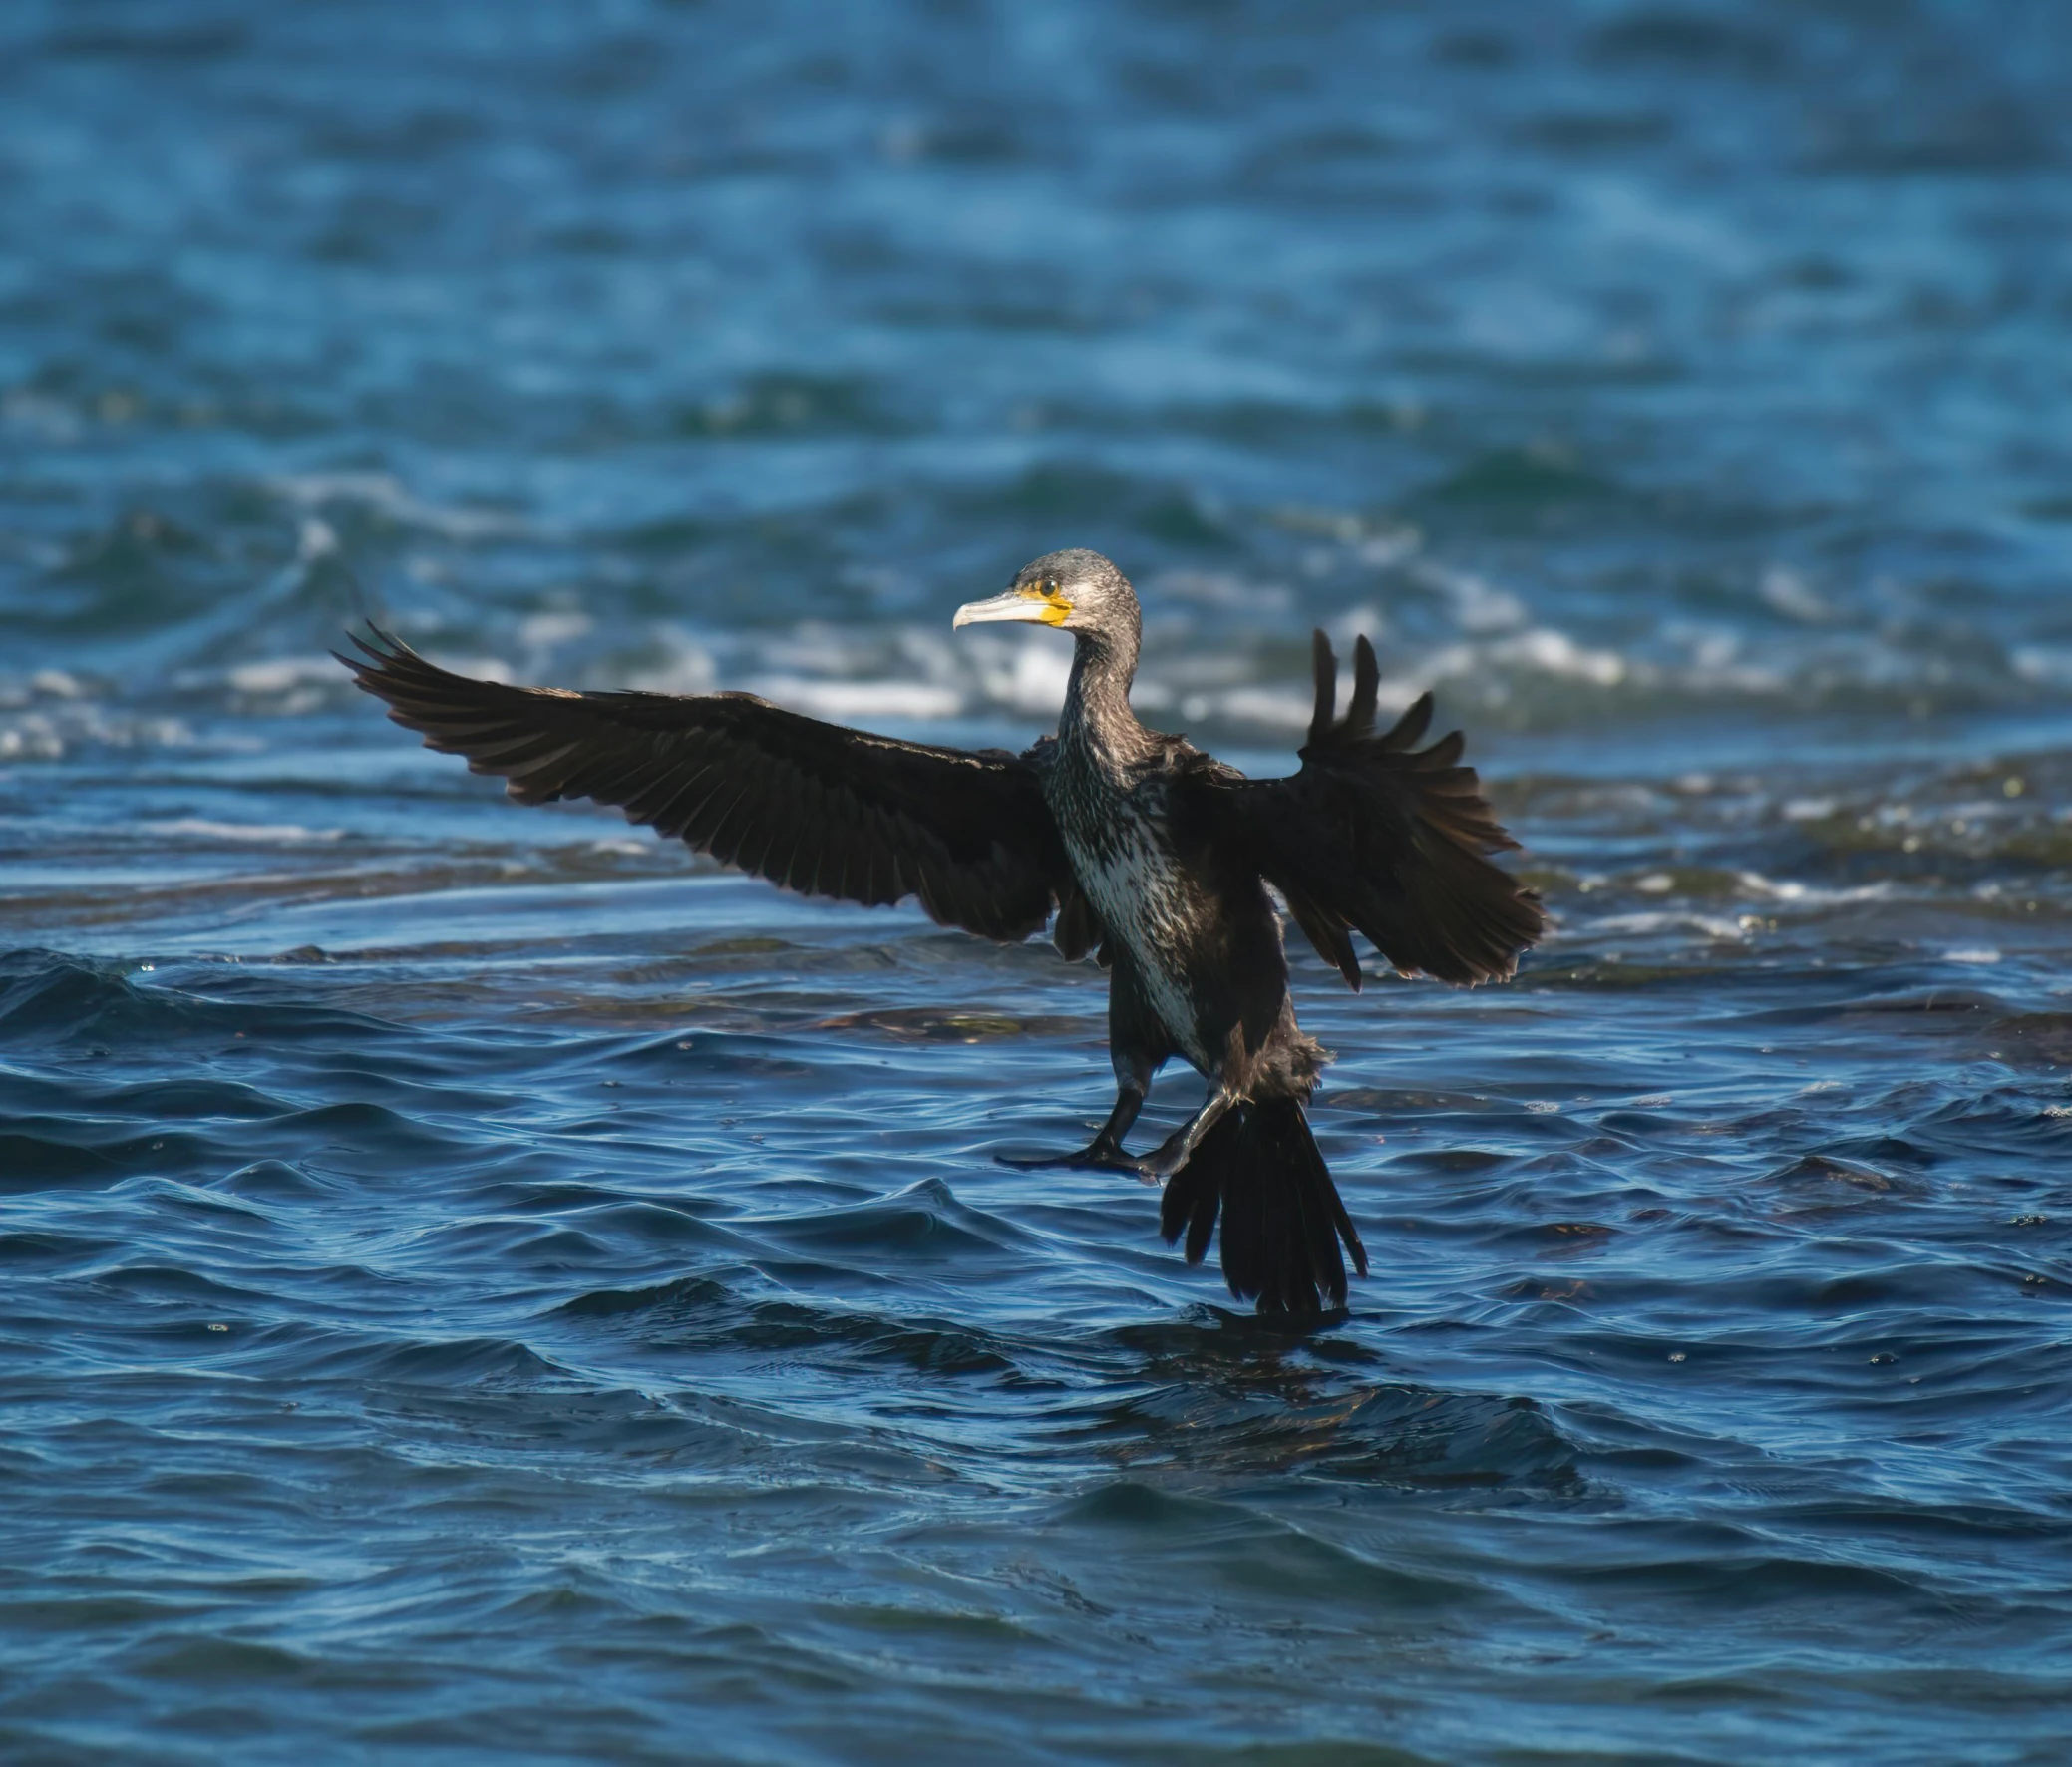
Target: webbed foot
x: 1099, y: 1155
x: 1164, y: 1160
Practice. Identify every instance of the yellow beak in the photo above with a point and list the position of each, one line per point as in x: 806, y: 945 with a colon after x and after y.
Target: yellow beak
x: 1030, y: 606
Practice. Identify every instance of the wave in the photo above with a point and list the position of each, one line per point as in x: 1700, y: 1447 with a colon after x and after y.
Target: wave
x: 46, y: 998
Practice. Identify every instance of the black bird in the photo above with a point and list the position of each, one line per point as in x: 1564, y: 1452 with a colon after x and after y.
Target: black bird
x: 1151, y: 854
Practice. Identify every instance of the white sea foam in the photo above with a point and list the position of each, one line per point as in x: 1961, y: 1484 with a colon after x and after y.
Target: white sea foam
x: 1278, y: 708
x: 2049, y: 664
x: 1714, y: 926
x: 203, y: 828
x: 686, y: 666
x: 1209, y: 657
x: 1788, y: 592
x: 844, y: 701
x: 483, y: 668
x: 541, y: 631
x: 1478, y: 605
x: 383, y: 492
x: 1789, y: 890
x: 1378, y: 551
x: 279, y: 674
x: 30, y: 739
x: 1212, y: 588
x: 50, y: 734
x: 1027, y: 677
x: 1555, y: 653
x: 1364, y: 622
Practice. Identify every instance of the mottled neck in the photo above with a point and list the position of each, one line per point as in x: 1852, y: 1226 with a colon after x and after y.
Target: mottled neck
x: 1097, y: 703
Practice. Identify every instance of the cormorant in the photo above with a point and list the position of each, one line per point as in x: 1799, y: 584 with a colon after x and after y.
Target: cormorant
x: 1152, y: 854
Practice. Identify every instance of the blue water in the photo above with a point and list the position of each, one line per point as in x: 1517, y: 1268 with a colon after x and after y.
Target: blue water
x: 479, y: 1284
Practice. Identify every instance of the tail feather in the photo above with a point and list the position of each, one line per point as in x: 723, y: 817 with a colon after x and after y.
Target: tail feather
x: 1284, y: 1220
x: 1201, y: 1214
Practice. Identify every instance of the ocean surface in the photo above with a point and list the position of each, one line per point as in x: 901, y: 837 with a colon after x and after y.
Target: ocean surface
x: 480, y: 1284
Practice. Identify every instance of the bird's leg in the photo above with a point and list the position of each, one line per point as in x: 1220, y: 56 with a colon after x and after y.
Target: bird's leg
x: 1171, y: 1153
x: 1105, y: 1148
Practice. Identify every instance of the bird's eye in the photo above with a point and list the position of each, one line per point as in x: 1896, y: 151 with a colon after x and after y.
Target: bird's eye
x: 1050, y: 587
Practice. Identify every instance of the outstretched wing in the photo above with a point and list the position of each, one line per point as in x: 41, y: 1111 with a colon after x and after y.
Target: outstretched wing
x: 1377, y: 835
x: 809, y: 806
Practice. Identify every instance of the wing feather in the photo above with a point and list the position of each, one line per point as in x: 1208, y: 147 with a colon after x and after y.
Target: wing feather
x: 807, y: 804
x: 1378, y: 836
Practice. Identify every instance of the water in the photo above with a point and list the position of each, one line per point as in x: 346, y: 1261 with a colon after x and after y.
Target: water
x: 482, y: 1284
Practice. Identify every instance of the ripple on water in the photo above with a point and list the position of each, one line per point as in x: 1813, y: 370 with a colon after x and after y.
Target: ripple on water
x: 479, y: 1280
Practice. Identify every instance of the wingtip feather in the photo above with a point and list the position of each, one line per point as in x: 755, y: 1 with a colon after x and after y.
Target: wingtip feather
x: 1324, y: 669
x: 1366, y: 688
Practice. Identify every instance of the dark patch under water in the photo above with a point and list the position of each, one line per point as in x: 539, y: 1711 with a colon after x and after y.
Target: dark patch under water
x: 476, y: 1282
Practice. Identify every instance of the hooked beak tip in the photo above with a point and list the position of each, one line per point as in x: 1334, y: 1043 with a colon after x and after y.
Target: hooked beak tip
x: 1011, y: 606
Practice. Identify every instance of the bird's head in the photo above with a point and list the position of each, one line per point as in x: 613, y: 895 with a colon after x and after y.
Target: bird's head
x: 1076, y: 590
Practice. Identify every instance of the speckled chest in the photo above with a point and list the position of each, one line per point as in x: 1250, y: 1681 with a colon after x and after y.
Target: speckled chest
x: 1117, y: 831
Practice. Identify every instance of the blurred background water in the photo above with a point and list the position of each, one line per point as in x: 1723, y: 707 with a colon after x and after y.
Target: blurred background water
x: 482, y: 1284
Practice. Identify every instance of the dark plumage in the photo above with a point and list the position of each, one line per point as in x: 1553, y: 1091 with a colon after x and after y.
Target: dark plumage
x: 1149, y: 852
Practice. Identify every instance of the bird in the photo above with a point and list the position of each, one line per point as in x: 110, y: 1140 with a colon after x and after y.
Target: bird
x: 1133, y: 847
